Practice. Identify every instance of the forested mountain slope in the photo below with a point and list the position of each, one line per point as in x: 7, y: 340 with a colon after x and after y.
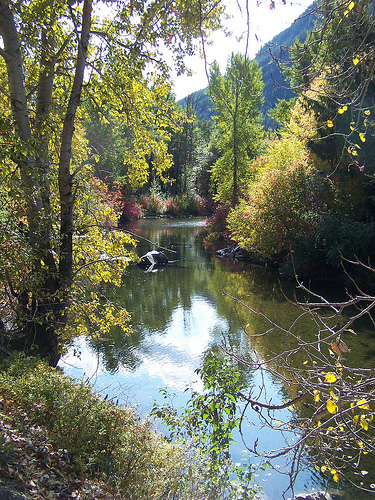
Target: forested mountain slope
x: 275, y: 87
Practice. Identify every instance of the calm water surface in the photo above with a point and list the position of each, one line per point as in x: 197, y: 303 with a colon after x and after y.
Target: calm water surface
x: 180, y: 316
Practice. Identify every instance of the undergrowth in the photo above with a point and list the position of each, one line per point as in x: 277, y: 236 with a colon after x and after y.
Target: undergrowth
x: 103, y: 440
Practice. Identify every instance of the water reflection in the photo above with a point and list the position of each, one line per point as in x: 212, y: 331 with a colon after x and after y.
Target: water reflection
x: 180, y: 315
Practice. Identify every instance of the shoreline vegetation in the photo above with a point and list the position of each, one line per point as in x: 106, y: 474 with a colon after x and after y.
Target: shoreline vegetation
x: 60, y: 440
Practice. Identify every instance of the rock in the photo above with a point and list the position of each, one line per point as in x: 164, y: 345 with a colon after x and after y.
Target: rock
x: 233, y: 252
x: 155, y: 257
x: 316, y: 495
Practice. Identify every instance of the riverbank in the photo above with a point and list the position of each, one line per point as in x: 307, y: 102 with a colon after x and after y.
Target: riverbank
x: 59, y: 440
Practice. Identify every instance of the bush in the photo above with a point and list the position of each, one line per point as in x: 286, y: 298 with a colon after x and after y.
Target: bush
x: 153, y: 204
x: 217, y: 224
x: 283, y: 205
x: 131, y: 210
x: 172, y: 207
x: 103, y: 440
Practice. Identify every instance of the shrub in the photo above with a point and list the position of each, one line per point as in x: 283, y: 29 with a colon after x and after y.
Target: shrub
x: 217, y: 224
x: 153, y: 204
x: 172, y: 207
x: 131, y: 210
x: 103, y: 440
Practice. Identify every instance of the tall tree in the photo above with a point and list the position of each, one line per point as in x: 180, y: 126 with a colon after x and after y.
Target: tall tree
x: 45, y: 48
x: 237, y: 98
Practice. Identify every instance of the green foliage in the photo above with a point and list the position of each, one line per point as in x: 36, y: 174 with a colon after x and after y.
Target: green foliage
x: 207, y: 421
x: 237, y: 97
x: 102, y: 439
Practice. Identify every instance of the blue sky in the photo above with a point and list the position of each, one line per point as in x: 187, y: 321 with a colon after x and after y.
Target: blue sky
x: 265, y: 23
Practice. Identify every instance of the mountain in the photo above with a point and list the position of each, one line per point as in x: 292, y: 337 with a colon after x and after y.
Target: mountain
x: 275, y: 87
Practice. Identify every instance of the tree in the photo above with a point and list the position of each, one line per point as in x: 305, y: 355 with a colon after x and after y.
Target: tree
x: 329, y: 402
x: 46, y: 47
x: 236, y: 97
x: 333, y: 71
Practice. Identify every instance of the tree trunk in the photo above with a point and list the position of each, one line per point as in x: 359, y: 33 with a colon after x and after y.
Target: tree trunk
x: 65, y: 176
x: 44, y: 311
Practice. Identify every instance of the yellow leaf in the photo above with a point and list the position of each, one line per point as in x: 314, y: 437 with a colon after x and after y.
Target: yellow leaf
x: 367, y: 112
x: 342, y: 110
x: 336, y: 477
x: 363, y: 423
x: 363, y: 403
x: 316, y: 396
x: 330, y: 378
x: 333, y: 396
x: 323, y: 468
x: 330, y: 123
x: 362, y: 137
x: 351, y: 6
x: 332, y: 407
x: 354, y: 152
x: 305, y: 362
x: 355, y: 61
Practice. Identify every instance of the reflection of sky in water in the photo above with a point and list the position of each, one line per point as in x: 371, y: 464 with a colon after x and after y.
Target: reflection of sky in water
x: 168, y: 357
x: 169, y: 361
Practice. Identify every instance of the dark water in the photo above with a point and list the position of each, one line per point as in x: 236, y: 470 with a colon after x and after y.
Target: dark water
x: 179, y: 316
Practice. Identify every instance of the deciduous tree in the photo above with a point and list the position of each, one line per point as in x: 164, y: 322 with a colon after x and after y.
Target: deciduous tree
x: 49, y: 211
x: 236, y: 97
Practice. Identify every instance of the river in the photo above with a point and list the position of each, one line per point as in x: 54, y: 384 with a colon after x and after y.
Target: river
x: 179, y: 316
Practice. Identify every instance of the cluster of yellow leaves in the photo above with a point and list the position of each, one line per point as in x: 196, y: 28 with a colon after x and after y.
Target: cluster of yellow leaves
x: 332, y: 471
x: 96, y: 317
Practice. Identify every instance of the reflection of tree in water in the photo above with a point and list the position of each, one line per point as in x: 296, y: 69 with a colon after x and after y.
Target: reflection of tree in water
x: 118, y: 349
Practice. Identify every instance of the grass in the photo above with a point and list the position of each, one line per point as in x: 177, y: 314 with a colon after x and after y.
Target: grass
x: 107, y: 443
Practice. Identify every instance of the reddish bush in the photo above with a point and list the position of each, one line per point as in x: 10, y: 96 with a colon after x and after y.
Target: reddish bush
x: 171, y: 207
x: 217, y: 224
x: 131, y: 210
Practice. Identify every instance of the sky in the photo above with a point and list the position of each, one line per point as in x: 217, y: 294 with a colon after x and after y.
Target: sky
x: 265, y: 23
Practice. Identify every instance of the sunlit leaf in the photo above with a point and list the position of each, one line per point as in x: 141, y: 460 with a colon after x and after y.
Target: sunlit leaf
x: 342, y: 110
x: 336, y: 477
x: 330, y: 378
x: 362, y: 137
x: 330, y: 123
x: 333, y: 395
x: 332, y: 407
x: 363, y: 403
x: 355, y: 61
x: 316, y: 396
x: 351, y: 6
x: 367, y: 112
x: 363, y: 423
x: 305, y: 362
x: 323, y: 468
